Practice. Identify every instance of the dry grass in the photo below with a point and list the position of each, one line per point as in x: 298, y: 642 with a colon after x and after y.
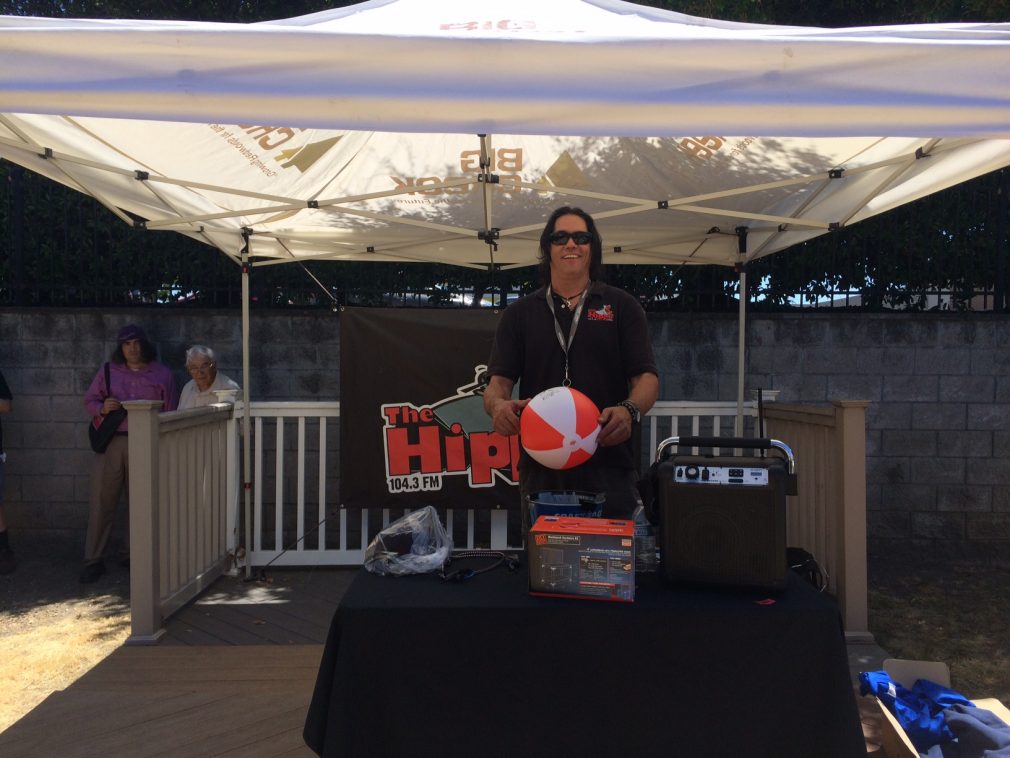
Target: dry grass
x: 960, y: 615
x: 47, y: 648
x: 53, y: 629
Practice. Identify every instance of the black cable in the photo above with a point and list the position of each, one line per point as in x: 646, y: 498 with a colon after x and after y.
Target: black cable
x: 463, y: 574
x: 459, y: 575
x: 261, y: 573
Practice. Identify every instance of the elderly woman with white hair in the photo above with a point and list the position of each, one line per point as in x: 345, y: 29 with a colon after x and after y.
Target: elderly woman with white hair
x: 201, y: 363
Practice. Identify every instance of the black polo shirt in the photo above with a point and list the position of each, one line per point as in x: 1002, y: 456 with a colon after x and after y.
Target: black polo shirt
x: 611, y: 345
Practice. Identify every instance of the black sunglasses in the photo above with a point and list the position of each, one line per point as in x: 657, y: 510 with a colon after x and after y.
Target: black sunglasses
x: 561, y: 238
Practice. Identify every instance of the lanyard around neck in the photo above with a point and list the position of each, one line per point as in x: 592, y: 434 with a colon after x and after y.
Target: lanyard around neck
x: 566, y: 346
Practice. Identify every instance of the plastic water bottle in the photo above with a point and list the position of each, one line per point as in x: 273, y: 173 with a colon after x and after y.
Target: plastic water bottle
x: 645, y: 542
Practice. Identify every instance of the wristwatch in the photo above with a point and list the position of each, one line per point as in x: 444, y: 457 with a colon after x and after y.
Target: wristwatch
x: 631, y: 408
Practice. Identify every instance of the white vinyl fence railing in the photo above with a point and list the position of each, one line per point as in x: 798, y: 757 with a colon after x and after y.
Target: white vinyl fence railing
x: 183, y: 491
x: 296, y: 517
x: 828, y: 516
x: 185, y: 497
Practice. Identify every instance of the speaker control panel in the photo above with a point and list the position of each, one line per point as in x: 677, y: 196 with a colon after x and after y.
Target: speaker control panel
x: 700, y: 474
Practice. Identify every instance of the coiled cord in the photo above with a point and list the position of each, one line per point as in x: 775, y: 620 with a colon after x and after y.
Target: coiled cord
x: 464, y: 574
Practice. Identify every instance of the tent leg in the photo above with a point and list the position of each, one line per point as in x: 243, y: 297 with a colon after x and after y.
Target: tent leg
x: 246, y: 411
x: 741, y: 354
x: 1001, y: 290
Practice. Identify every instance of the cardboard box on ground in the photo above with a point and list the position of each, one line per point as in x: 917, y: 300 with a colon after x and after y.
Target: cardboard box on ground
x: 893, y: 739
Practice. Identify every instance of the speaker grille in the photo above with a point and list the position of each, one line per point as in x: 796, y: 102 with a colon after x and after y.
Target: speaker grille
x: 723, y: 535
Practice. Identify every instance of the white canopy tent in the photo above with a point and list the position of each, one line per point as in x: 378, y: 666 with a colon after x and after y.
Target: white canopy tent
x: 353, y: 134
x: 412, y: 130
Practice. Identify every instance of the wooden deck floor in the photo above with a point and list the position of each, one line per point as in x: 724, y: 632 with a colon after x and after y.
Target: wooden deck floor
x: 232, y: 676
x: 289, y: 607
x: 177, y: 701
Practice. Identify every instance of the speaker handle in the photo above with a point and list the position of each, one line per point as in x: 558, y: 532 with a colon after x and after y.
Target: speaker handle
x: 752, y: 443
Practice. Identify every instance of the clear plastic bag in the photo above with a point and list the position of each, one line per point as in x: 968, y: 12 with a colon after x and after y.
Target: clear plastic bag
x: 414, y: 544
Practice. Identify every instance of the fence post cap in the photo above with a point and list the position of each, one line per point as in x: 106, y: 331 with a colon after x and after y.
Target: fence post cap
x: 142, y: 405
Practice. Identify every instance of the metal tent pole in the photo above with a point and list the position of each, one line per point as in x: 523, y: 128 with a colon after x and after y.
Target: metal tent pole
x: 1001, y: 290
x: 740, y: 355
x: 246, y: 408
x: 741, y: 232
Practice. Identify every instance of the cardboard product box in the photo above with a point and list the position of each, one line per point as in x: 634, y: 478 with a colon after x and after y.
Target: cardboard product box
x: 893, y: 739
x: 583, y: 558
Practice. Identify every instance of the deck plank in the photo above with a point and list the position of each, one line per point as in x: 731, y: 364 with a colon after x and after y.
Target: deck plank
x: 258, y: 624
x: 229, y: 630
x: 71, y: 723
x: 209, y: 728
x: 177, y: 701
x: 291, y: 606
x: 288, y: 742
x: 245, y: 737
x: 183, y: 634
x: 205, y: 668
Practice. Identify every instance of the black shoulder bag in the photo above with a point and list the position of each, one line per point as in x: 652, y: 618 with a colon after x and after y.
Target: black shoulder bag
x: 101, y: 435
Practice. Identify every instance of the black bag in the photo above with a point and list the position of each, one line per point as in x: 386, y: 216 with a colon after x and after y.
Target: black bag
x: 804, y: 564
x: 102, y: 435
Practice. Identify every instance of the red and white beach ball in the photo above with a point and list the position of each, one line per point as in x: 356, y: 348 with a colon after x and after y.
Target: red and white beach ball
x: 558, y: 428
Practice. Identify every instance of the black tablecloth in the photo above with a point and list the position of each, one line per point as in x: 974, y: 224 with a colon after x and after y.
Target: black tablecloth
x: 415, y: 666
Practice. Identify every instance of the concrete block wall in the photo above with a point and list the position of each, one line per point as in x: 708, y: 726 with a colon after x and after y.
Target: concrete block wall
x: 49, y: 358
x: 938, y: 427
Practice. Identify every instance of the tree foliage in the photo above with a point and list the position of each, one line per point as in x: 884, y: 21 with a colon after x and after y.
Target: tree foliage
x: 956, y: 240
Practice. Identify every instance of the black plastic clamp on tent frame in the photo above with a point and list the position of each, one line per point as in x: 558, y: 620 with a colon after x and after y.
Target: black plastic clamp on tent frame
x: 490, y: 236
x: 485, y: 175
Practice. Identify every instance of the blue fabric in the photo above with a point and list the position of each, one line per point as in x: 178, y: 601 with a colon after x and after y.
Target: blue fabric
x: 919, y: 710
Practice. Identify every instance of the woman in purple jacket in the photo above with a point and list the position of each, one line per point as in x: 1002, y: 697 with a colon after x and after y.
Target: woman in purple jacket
x: 133, y: 375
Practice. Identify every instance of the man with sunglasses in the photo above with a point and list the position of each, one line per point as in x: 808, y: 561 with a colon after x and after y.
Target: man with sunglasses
x: 576, y: 331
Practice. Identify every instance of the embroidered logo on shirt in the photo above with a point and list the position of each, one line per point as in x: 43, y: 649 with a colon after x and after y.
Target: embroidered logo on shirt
x: 603, y: 313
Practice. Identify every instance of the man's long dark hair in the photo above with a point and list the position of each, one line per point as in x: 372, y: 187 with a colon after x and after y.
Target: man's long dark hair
x: 148, y: 352
x: 595, y: 246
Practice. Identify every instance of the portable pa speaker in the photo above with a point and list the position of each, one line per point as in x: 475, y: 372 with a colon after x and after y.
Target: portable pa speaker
x: 723, y: 520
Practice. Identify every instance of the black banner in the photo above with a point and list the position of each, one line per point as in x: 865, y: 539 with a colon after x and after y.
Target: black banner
x: 413, y: 431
